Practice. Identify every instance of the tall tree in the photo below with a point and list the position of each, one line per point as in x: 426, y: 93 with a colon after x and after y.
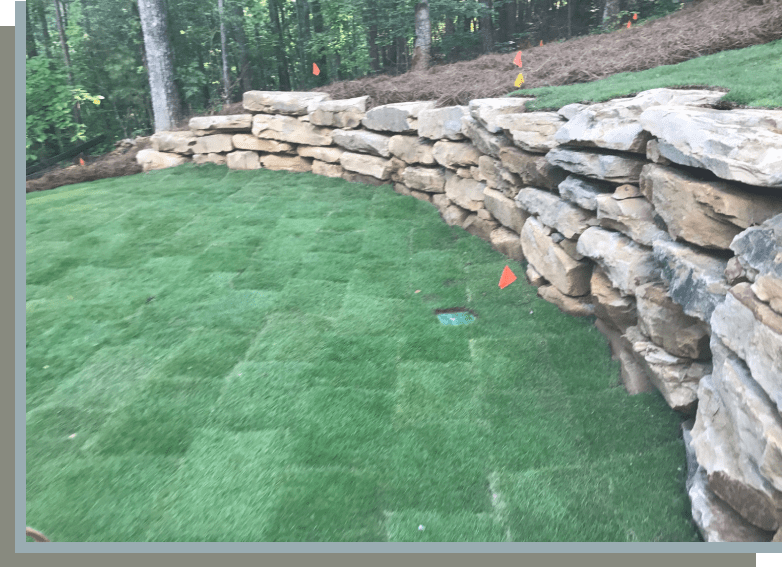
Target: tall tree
x: 32, y: 51
x: 487, y: 33
x: 166, y: 105
x: 275, y: 13
x: 65, y: 54
x: 610, y: 12
x: 423, y: 37
x: 245, y: 69
x: 224, y: 55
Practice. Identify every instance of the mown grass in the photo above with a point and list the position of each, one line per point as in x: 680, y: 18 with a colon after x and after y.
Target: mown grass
x: 753, y: 75
x: 218, y: 355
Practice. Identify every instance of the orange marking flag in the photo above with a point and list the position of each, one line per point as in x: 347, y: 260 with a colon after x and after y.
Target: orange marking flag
x: 508, y: 277
x: 628, y: 24
x: 541, y: 42
x: 315, y: 70
x: 81, y: 161
x: 635, y: 16
x: 517, y: 60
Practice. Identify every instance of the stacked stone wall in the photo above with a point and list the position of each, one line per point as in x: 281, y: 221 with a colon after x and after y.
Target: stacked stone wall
x: 657, y: 214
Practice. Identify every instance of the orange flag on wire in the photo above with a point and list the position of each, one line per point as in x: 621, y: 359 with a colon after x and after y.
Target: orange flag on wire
x: 315, y: 70
x: 628, y: 24
x: 81, y: 161
x: 541, y: 43
x: 517, y: 60
x: 635, y: 16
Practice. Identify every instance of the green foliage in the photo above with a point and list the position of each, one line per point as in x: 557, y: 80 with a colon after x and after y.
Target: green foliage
x: 50, y: 121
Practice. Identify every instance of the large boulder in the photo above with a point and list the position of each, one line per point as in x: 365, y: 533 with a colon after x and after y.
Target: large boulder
x: 498, y: 177
x: 467, y: 193
x: 597, y: 165
x: 488, y: 143
x: 274, y: 102
x: 759, y: 250
x: 362, y: 141
x: 338, y: 113
x: 751, y: 329
x: 250, y: 142
x: 150, y: 159
x: 626, y: 263
x: 399, y: 117
x: 583, y: 191
x: 632, y: 216
x: 706, y: 213
x: 424, y: 179
x: 215, y: 143
x: 454, y: 154
x: 737, y: 438
x: 533, y: 169
x: 614, y: 124
x: 569, y: 276
x: 507, y: 242
x: 330, y: 155
x: 552, y: 211
x: 532, y: 131
x: 411, y: 149
x: 489, y: 111
x: 439, y: 123
x: 202, y: 125
x: 751, y: 154
x: 286, y: 163
x: 610, y: 304
x: 243, y: 159
x: 695, y: 280
x: 505, y: 210
x: 290, y: 129
x: 173, y: 142
x: 371, y: 166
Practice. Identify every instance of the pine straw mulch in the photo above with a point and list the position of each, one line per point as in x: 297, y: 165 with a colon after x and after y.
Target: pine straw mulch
x: 700, y: 29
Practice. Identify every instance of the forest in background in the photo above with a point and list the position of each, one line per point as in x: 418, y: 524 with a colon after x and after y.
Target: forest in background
x: 88, y: 69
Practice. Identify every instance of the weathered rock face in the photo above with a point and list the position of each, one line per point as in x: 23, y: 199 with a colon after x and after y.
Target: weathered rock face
x: 607, y: 167
x: 738, y: 435
x: 451, y: 154
x: 424, y: 179
x: 610, y: 304
x: 614, y: 124
x: 569, y: 276
x: 696, y: 137
x: 400, y: 117
x: 488, y: 111
x: 467, y: 193
x: 534, y: 170
x: 286, y: 163
x: 442, y: 123
x: 366, y: 165
x: 532, y: 131
x: 631, y: 216
x: 339, y: 113
x: 250, y: 142
x: 215, y: 143
x: 361, y: 141
x: 552, y: 211
x: 174, y: 142
x: 150, y: 159
x: 507, y: 242
x: 218, y: 159
x: 752, y: 330
x: 202, y: 125
x: 273, y: 102
x: 411, y: 149
x: 505, y: 210
x: 664, y: 322
x: 695, y: 280
x: 330, y: 155
x: 289, y: 129
x: 486, y: 143
x: 243, y: 159
x: 759, y: 251
x: 582, y: 191
x: 626, y: 263
x: 708, y: 214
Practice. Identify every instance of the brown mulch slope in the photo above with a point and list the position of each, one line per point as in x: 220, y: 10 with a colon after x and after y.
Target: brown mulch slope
x: 700, y: 29
x: 694, y: 31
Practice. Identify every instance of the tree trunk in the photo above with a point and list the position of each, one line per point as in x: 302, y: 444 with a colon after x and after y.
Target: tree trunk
x: 166, y: 106
x: 224, y: 55
x: 40, y: 12
x: 487, y: 33
x: 423, y: 37
x: 569, y: 18
x: 245, y: 69
x: 32, y: 51
x: 374, y: 52
x: 66, y: 56
x: 609, y: 13
x: 305, y: 65
x: 282, y: 63
x: 317, y: 26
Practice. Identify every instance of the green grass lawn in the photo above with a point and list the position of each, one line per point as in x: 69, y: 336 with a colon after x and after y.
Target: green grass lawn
x: 217, y: 355
x: 753, y: 75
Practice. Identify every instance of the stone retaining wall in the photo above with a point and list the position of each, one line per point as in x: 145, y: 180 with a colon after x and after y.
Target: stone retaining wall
x: 655, y: 213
